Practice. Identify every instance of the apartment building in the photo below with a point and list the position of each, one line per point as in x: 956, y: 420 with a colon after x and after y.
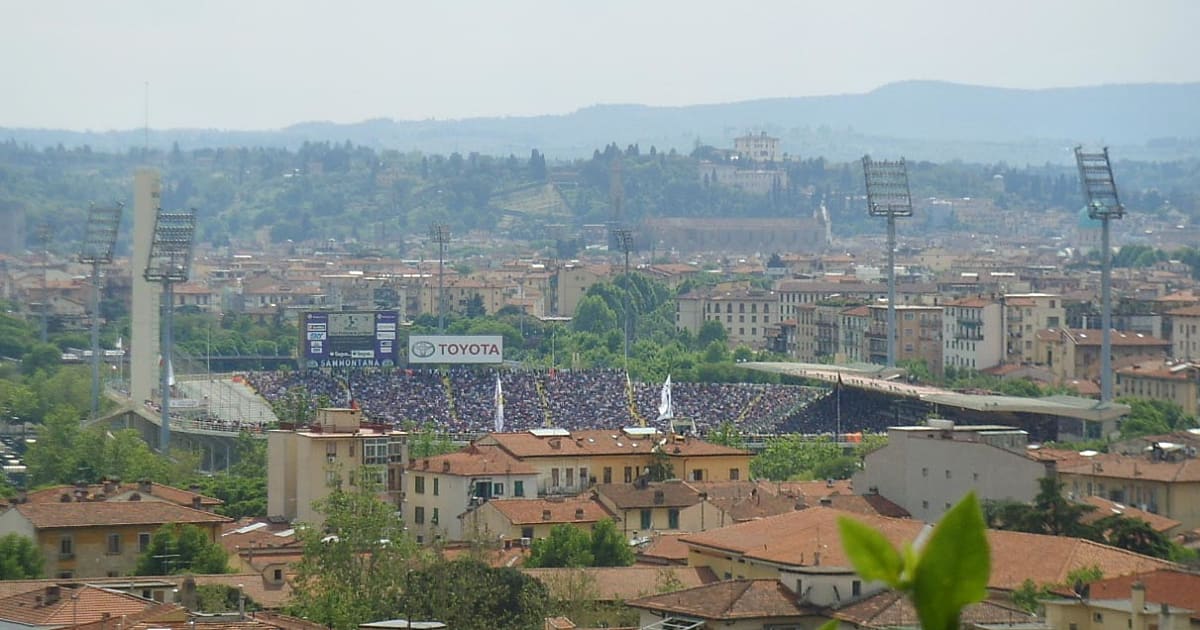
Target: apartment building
x: 1024, y: 315
x: 1174, y: 381
x: 746, y: 314
x: 972, y: 333
x: 1164, y: 481
x: 918, y: 335
x: 927, y: 469
x: 757, y: 148
x: 1074, y: 354
x: 439, y: 490
x: 1185, y: 333
x: 306, y: 462
x: 98, y: 539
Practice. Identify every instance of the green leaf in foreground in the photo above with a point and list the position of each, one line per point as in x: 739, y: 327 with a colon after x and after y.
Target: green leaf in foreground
x: 953, y: 568
x: 873, y: 557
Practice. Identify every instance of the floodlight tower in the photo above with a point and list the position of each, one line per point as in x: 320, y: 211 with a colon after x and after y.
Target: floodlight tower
x: 888, y: 196
x: 170, y: 262
x: 624, y: 240
x: 44, y: 234
x: 99, y: 237
x: 1100, y: 192
x: 440, y: 234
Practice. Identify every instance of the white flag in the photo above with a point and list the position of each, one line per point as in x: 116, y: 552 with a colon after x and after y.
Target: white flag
x: 120, y: 344
x: 499, y: 406
x: 666, y: 409
x: 170, y: 374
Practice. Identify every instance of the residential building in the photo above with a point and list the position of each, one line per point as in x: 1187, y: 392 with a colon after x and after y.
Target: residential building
x: 1185, y: 333
x: 1172, y: 587
x: 568, y: 462
x: 918, y: 335
x: 744, y: 313
x: 972, y: 333
x: 304, y: 463
x: 439, y: 489
x: 96, y: 539
x: 1024, y: 315
x: 1071, y: 353
x: 51, y: 606
x: 803, y: 550
x: 1165, y: 481
x: 531, y: 518
x: 850, y: 332
x: 113, y: 490
x: 1132, y: 611
x: 573, y: 282
x: 1177, y: 382
x: 927, y: 469
x: 643, y: 509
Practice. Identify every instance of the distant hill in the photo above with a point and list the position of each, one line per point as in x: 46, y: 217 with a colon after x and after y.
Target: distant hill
x: 919, y: 119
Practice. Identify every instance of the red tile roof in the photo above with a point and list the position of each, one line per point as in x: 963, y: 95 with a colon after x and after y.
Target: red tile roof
x: 475, y: 459
x: 621, y: 583
x: 1170, y: 586
x: 581, y: 509
x: 1134, y: 467
x: 58, y: 515
x: 891, y: 609
x: 628, y: 496
x: 1104, y: 507
x: 810, y: 538
x: 602, y: 442
x: 728, y: 601
x: 54, y: 605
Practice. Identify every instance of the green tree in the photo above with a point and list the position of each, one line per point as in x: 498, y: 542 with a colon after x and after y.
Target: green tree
x: 471, y: 595
x: 41, y: 357
x: 20, y: 558
x: 242, y: 487
x: 566, y: 546
x: 182, y: 548
x: 609, y: 547
x: 726, y: 434
x: 354, y: 567
x: 594, y: 315
x: 794, y: 457
x: 1133, y: 534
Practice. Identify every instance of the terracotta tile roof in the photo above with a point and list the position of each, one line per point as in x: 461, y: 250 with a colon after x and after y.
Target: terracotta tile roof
x: 1134, y: 467
x: 1104, y: 507
x: 759, y: 506
x: 121, y: 492
x: 797, y: 537
x: 875, y: 504
x: 620, y: 583
x: 164, y: 613
x: 729, y: 600
x: 891, y: 609
x: 601, y: 442
x: 1187, y: 311
x: 475, y: 459
x: 664, y: 549
x: 1088, y: 337
x: 808, y: 491
x: 56, y: 515
x: 627, y: 496
x: 255, y: 587
x: 582, y: 509
x: 54, y: 605
x: 255, y: 533
x: 1170, y: 586
x: 969, y: 302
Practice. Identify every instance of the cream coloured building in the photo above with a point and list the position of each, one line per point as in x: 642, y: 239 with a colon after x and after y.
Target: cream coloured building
x: 1024, y: 315
x: 439, y: 489
x: 304, y: 463
x: 972, y: 333
x: 927, y: 469
x: 745, y: 314
x: 1185, y: 333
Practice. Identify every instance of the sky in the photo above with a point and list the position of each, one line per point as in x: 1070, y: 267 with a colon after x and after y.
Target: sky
x: 266, y: 64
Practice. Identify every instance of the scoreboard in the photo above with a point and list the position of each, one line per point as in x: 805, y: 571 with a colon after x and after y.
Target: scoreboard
x: 349, y: 339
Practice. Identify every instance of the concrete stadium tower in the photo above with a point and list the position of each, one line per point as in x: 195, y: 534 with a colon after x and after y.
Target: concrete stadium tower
x: 143, y: 363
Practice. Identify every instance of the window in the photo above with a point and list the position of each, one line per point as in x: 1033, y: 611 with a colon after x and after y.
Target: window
x: 526, y: 532
x: 375, y: 451
x: 924, y: 472
x: 628, y: 474
x: 278, y: 575
x: 497, y: 489
x: 924, y: 505
x: 518, y: 488
x: 114, y: 544
x: 143, y: 541
x: 583, y: 477
x: 734, y: 474
x: 646, y: 519
x: 976, y: 475
x: 947, y: 473
x: 856, y: 588
x: 697, y: 474
x: 1098, y: 617
x: 436, y: 486
x: 419, y: 515
x: 570, y: 477
x: 66, y: 547
x: 673, y: 518
x: 419, y: 484
x: 607, y: 476
x: 331, y: 450
x: 433, y: 520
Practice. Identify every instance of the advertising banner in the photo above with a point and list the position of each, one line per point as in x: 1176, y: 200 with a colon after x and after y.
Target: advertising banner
x: 455, y: 349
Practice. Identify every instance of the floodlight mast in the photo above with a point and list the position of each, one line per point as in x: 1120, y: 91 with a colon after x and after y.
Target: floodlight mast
x: 170, y: 262
x: 99, y: 238
x: 440, y: 234
x: 624, y: 239
x: 1103, y: 204
x: 888, y: 196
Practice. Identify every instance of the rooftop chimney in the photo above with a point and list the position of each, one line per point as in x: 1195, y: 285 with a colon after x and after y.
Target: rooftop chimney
x: 446, y: 466
x: 578, y: 513
x: 545, y: 515
x: 145, y: 486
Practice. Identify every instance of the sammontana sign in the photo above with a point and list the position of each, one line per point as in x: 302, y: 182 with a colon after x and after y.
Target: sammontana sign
x: 455, y: 349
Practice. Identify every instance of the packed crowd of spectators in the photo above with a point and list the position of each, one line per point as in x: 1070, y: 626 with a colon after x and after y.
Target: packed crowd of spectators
x: 463, y: 400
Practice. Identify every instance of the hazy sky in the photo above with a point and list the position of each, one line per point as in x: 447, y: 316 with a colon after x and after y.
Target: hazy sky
x: 258, y: 64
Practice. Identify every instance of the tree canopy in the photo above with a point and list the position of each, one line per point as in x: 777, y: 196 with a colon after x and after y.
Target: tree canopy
x: 182, y: 548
